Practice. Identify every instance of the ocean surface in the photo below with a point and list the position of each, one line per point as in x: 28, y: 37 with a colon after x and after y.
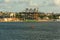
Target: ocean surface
x: 30, y: 31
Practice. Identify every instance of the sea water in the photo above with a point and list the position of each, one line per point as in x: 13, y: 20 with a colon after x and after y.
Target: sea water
x: 29, y: 30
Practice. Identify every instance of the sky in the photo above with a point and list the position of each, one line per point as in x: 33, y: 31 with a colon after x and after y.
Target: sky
x: 20, y: 5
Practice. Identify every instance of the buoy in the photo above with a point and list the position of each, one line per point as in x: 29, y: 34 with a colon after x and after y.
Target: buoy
x: 32, y: 26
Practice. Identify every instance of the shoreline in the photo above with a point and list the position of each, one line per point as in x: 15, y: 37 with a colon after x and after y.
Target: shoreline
x: 18, y: 20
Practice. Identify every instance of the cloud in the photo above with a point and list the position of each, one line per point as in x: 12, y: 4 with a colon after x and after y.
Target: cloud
x: 39, y: 3
x: 16, y: 1
x: 57, y: 2
x: 24, y: 0
x: 33, y: 4
x: 6, y: 1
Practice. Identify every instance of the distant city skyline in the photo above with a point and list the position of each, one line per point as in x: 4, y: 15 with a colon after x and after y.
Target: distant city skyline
x: 20, y: 5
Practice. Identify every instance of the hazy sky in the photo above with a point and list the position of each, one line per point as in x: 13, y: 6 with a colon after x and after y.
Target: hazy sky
x: 20, y: 5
